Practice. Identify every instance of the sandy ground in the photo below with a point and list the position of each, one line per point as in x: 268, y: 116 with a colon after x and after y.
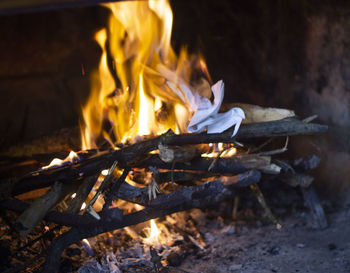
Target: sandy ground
x: 295, y: 248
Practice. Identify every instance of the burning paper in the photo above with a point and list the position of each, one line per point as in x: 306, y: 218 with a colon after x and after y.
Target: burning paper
x: 207, y: 116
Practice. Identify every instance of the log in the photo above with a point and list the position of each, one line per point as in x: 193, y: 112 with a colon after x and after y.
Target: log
x: 182, y: 153
x: 255, y: 113
x: 230, y: 166
x: 8, y: 7
x: 37, y: 211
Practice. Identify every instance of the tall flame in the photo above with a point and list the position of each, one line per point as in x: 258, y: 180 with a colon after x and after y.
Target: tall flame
x: 140, y: 86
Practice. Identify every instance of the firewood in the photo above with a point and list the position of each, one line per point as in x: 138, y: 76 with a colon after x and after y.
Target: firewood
x: 233, y: 165
x: 261, y: 199
x: 179, y: 177
x: 81, y: 194
x: 255, y: 113
x: 112, y: 193
x: 189, y: 197
x: 20, y: 6
x: 36, y: 212
x: 183, y: 153
x: 97, y: 163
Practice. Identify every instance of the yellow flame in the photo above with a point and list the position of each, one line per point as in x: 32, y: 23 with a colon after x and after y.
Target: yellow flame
x: 140, y: 85
x: 56, y: 162
x: 145, y: 117
x: 220, y: 151
x: 83, y: 206
x: 105, y: 172
x: 154, y: 233
x: 229, y: 152
x: 86, y: 241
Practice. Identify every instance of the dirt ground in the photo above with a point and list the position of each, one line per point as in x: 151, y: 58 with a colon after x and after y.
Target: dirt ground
x: 295, y: 248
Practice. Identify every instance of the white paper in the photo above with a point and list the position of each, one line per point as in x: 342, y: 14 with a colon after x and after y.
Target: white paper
x: 207, y: 116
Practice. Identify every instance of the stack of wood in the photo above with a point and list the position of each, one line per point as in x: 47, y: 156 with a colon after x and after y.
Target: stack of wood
x: 172, y: 175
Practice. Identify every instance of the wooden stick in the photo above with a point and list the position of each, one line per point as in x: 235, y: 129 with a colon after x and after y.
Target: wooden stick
x: 261, y: 199
x: 81, y: 194
x: 37, y: 211
x: 232, y: 165
x: 113, y: 192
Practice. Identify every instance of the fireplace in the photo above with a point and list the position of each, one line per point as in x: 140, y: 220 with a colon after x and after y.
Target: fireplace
x: 289, y: 55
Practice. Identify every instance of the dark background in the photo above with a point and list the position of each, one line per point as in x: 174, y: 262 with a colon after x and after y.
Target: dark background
x: 291, y: 54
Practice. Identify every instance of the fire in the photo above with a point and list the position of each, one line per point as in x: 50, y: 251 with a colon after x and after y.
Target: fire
x: 159, y: 236
x: 220, y: 150
x: 153, y: 237
x: 56, y: 162
x: 140, y: 87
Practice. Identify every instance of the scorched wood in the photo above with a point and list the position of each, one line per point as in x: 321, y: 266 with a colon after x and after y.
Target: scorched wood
x: 95, y: 164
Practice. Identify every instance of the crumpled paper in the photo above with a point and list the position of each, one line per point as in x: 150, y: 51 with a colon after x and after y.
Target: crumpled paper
x: 206, y: 114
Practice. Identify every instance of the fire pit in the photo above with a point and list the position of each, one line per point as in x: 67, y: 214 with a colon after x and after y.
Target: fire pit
x: 157, y: 138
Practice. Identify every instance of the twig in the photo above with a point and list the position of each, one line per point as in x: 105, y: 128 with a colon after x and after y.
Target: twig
x: 257, y: 149
x: 113, y: 193
x: 101, y: 189
x: 36, y: 212
x: 277, y: 151
x: 309, y: 119
x: 260, y: 197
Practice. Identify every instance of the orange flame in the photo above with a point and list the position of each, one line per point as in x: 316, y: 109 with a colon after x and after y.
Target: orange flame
x: 141, y: 87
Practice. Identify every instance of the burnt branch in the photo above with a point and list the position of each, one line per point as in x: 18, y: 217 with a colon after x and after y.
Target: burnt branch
x: 37, y: 211
x: 187, y: 198
x: 128, y: 193
x: 113, y: 192
x: 81, y: 194
x: 232, y: 165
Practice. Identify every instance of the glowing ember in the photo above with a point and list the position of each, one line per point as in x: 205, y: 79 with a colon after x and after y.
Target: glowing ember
x: 153, y: 86
x: 56, y: 162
